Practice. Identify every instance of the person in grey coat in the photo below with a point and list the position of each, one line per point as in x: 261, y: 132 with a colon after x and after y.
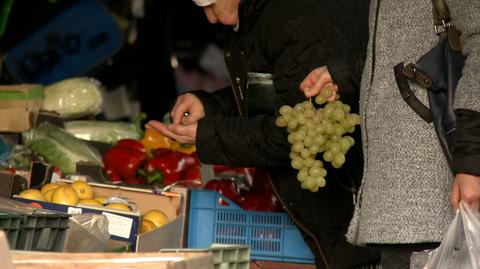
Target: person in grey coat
x: 408, y: 195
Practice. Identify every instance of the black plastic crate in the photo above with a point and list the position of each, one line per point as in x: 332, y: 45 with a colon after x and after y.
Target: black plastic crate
x: 39, y: 229
x: 10, y: 224
x: 43, y: 232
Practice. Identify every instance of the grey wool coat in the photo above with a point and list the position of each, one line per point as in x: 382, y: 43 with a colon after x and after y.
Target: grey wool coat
x: 405, y: 196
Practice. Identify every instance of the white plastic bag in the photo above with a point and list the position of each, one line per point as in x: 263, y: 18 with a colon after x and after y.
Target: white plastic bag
x: 460, y: 248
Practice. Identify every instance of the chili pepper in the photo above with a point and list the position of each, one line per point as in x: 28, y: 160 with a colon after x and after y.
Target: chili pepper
x: 112, y: 175
x: 125, y: 161
x: 131, y: 143
x: 226, y: 187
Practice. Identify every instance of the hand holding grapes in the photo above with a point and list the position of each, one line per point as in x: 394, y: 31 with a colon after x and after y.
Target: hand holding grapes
x: 317, y: 80
x: 315, y: 131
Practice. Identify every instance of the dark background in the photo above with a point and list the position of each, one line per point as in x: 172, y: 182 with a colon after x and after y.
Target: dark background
x: 143, y: 65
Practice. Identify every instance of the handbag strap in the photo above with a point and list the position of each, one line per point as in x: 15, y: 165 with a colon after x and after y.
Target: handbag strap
x: 443, y: 24
x: 441, y: 14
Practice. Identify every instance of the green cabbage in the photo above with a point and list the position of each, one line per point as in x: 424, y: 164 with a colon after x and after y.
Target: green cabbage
x: 73, y: 98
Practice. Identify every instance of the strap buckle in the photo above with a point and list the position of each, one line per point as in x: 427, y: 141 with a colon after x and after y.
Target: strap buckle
x: 441, y: 28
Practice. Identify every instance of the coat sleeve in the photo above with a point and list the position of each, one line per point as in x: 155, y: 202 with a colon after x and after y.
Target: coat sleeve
x: 316, y: 41
x: 236, y: 141
x: 466, y: 17
x: 220, y: 102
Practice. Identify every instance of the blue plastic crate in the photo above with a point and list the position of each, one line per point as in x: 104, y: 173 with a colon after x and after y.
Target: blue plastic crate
x: 270, y: 235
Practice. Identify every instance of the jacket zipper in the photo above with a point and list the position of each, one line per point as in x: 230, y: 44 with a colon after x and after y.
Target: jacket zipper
x: 298, y: 223
x: 353, y: 189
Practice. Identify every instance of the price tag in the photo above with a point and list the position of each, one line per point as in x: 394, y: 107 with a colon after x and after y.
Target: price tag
x: 118, y: 225
x: 74, y: 210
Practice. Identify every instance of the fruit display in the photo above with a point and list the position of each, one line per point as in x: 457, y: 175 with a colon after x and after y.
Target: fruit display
x: 313, y: 131
x: 65, y: 195
x: 155, y: 217
x: 32, y: 194
x: 81, y: 193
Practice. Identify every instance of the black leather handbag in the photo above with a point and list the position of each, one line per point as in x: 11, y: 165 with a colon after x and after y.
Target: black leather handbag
x: 438, y: 71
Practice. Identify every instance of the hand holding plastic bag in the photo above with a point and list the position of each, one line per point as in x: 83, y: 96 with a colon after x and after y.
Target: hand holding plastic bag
x: 460, y: 247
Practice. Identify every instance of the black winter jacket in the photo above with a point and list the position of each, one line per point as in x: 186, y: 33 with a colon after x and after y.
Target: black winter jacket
x: 289, y: 39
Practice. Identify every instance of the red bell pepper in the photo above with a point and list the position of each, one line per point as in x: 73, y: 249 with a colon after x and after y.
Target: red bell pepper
x: 260, y: 202
x: 126, y: 161
x: 131, y: 143
x: 112, y: 175
x: 137, y: 180
x: 226, y: 187
x: 171, y: 164
x: 192, y: 173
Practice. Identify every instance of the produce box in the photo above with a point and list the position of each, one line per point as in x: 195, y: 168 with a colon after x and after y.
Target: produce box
x: 19, y: 106
x: 271, y: 235
x: 124, y: 225
x: 187, y: 260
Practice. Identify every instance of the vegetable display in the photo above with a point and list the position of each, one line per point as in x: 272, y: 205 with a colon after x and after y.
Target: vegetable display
x: 60, y: 148
x: 129, y: 162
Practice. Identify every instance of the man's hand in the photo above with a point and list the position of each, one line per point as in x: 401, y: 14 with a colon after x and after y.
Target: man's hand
x: 466, y: 188
x: 318, y: 79
x: 185, y: 134
x: 187, y: 110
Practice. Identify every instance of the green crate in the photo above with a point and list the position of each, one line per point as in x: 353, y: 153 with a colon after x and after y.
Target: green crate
x: 43, y: 232
x: 10, y: 224
x: 39, y: 229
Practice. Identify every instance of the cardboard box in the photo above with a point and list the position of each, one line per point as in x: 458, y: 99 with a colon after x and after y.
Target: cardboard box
x: 35, y: 260
x: 11, y: 184
x: 124, y: 226
x: 19, y: 106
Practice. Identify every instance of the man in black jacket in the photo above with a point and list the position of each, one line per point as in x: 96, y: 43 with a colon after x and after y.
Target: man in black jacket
x: 271, y: 47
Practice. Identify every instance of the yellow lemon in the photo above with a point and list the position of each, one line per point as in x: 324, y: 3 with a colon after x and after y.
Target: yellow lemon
x: 49, y: 186
x: 83, y: 189
x: 48, y: 195
x: 101, y: 199
x: 118, y: 206
x: 91, y: 202
x: 65, y: 195
x: 156, y: 216
x: 146, y: 226
x: 32, y: 194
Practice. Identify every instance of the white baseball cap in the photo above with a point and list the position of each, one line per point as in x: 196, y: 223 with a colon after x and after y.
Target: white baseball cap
x: 204, y: 3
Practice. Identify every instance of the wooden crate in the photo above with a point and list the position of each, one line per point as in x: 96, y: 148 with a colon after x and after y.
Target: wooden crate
x: 39, y: 260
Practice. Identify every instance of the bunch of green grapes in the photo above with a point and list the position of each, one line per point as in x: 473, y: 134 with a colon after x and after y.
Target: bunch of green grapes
x: 315, y: 131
